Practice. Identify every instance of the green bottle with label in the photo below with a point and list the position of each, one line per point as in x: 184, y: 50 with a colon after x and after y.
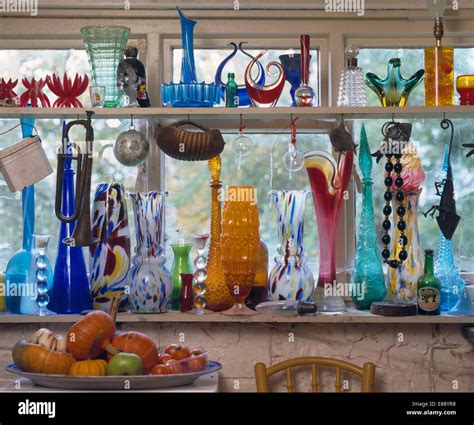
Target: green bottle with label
x: 429, y: 289
x: 231, y: 96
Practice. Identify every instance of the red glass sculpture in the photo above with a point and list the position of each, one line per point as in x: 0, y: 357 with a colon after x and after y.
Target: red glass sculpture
x: 260, y: 94
x: 6, y: 90
x: 34, y: 91
x: 304, y: 94
x: 67, y: 91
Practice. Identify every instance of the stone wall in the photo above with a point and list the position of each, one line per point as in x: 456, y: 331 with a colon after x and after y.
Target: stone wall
x: 409, y: 357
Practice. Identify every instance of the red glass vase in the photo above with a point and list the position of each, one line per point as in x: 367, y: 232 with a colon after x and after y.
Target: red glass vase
x: 7, y: 92
x: 328, y: 184
x: 186, y: 294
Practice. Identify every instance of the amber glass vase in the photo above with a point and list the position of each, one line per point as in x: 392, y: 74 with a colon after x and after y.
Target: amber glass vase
x: 240, y: 244
x: 439, y: 76
x: 217, y: 295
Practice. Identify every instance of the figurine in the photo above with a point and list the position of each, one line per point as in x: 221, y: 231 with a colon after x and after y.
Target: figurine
x: 131, y: 77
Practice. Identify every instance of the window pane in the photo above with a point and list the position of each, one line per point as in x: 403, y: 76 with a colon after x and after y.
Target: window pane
x: 207, y: 61
x: 38, y: 64
x: 188, y: 184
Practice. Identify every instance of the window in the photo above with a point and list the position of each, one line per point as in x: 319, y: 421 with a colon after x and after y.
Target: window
x: 39, y: 63
x: 431, y: 140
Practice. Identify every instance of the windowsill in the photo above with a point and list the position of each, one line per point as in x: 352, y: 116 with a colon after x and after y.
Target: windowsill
x: 350, y: 316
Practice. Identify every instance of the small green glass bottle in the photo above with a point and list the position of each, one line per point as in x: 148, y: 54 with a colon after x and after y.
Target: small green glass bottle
x: 231, y: 97
x: 429, y: 289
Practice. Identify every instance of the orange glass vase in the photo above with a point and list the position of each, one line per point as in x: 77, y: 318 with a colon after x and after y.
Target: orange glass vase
x: 439, y: 76
x: 217, y: 295
x: 240, y: 244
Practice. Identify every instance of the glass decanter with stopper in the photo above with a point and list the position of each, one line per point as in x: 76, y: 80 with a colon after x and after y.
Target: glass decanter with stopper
x: 352, y: 84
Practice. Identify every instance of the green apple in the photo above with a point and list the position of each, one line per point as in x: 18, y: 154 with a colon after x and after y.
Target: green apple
x: 125, y: 364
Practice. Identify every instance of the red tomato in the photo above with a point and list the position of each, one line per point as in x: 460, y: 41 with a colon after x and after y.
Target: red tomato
x: 170, y: 348
x: 196, y: 363
x: 164, y: 358
x: 174, y: 366
x: 196, y: 352
x: 160, y: 369
x: 180, y: 353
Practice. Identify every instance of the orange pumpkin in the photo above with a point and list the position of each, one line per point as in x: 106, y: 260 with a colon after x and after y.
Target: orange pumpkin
x: 37, y: 359
x: 89, y: 336
x: 139, y: 344
x: 95, y: 367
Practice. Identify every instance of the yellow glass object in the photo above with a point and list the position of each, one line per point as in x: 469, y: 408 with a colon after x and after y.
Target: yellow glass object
x: 217, y: 295
x: 240, y: 244
x: 439, y: 76
x: 3, y: 290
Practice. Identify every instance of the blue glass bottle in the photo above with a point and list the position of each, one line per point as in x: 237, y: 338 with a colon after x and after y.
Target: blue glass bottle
x: 70, y: 293
x: 445, y: 269
x: 18, y: 267
x: 368, y: 272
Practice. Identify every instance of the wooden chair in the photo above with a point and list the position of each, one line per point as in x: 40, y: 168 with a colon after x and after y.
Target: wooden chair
x: 366, y: 372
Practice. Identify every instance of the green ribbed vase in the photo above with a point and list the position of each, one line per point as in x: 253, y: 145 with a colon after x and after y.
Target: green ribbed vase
x: 105, y: 45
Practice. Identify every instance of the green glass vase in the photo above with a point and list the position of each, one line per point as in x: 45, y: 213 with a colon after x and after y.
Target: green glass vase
x: 181, y: 264
x: 368, y: 272
x: 105, y: 45
x: 394, y: 89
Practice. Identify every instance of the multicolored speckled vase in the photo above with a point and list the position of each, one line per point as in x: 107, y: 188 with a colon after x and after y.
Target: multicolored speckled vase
x: 150, y: 282
x: 110, y: 258
x: 290, y: 278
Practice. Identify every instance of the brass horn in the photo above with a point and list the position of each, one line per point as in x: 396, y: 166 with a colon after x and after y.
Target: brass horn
x: 82, y: 235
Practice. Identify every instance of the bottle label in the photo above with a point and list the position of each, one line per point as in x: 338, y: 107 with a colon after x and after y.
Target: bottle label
x: 429, y: 298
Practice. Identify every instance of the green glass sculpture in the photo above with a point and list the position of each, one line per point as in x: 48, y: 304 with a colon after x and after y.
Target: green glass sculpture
x: 105, y: 45
x: 394, y: 89
x: 368, y: 273
x: 181, y: 264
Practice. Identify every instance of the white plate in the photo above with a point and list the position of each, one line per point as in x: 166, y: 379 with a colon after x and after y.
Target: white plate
x: 138, y: 382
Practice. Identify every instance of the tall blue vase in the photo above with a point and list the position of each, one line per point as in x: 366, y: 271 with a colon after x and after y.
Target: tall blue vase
x: 70, y: 293
x: 292, y: 66
x: 18, y: 267
x: 452, y: 285
x: 368, y: 272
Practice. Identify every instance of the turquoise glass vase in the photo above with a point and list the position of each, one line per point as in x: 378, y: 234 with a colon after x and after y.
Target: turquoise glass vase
x: 105, y: 46
x: 394, y: 89
x: 368, y: 272
x: 181, y: 264
x: 452, y: 285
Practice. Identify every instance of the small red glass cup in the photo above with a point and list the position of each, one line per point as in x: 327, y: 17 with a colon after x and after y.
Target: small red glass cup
x: 465, y: 88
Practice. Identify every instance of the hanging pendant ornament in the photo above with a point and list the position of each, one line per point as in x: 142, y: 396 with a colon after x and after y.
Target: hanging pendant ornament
x: 395, y: 136
x: 131, y: 147
x: 242, y: 144
x: 447, y: 219
x: 293, y: 158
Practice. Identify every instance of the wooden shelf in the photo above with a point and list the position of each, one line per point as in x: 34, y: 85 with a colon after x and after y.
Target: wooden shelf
x: 351, y: 316
x: 329, y: 113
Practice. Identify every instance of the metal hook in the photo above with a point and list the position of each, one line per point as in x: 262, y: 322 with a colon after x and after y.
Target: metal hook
x: 393, y: 116
x: 131, y: 122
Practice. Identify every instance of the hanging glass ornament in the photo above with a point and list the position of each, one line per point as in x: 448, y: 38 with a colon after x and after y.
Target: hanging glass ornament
x: 293, y: 159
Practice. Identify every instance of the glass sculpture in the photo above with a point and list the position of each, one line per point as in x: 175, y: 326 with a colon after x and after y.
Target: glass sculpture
x: 189, y: 92
x: 67, y: 90
x: 393, y: 90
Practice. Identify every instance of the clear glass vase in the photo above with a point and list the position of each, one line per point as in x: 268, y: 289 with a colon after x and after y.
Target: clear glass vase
x: 290, y: 278
x: 105, y: 45
x: 150, y: 282
x: 352, y: 87
x: 328, y: 184
x: 368, y: 270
